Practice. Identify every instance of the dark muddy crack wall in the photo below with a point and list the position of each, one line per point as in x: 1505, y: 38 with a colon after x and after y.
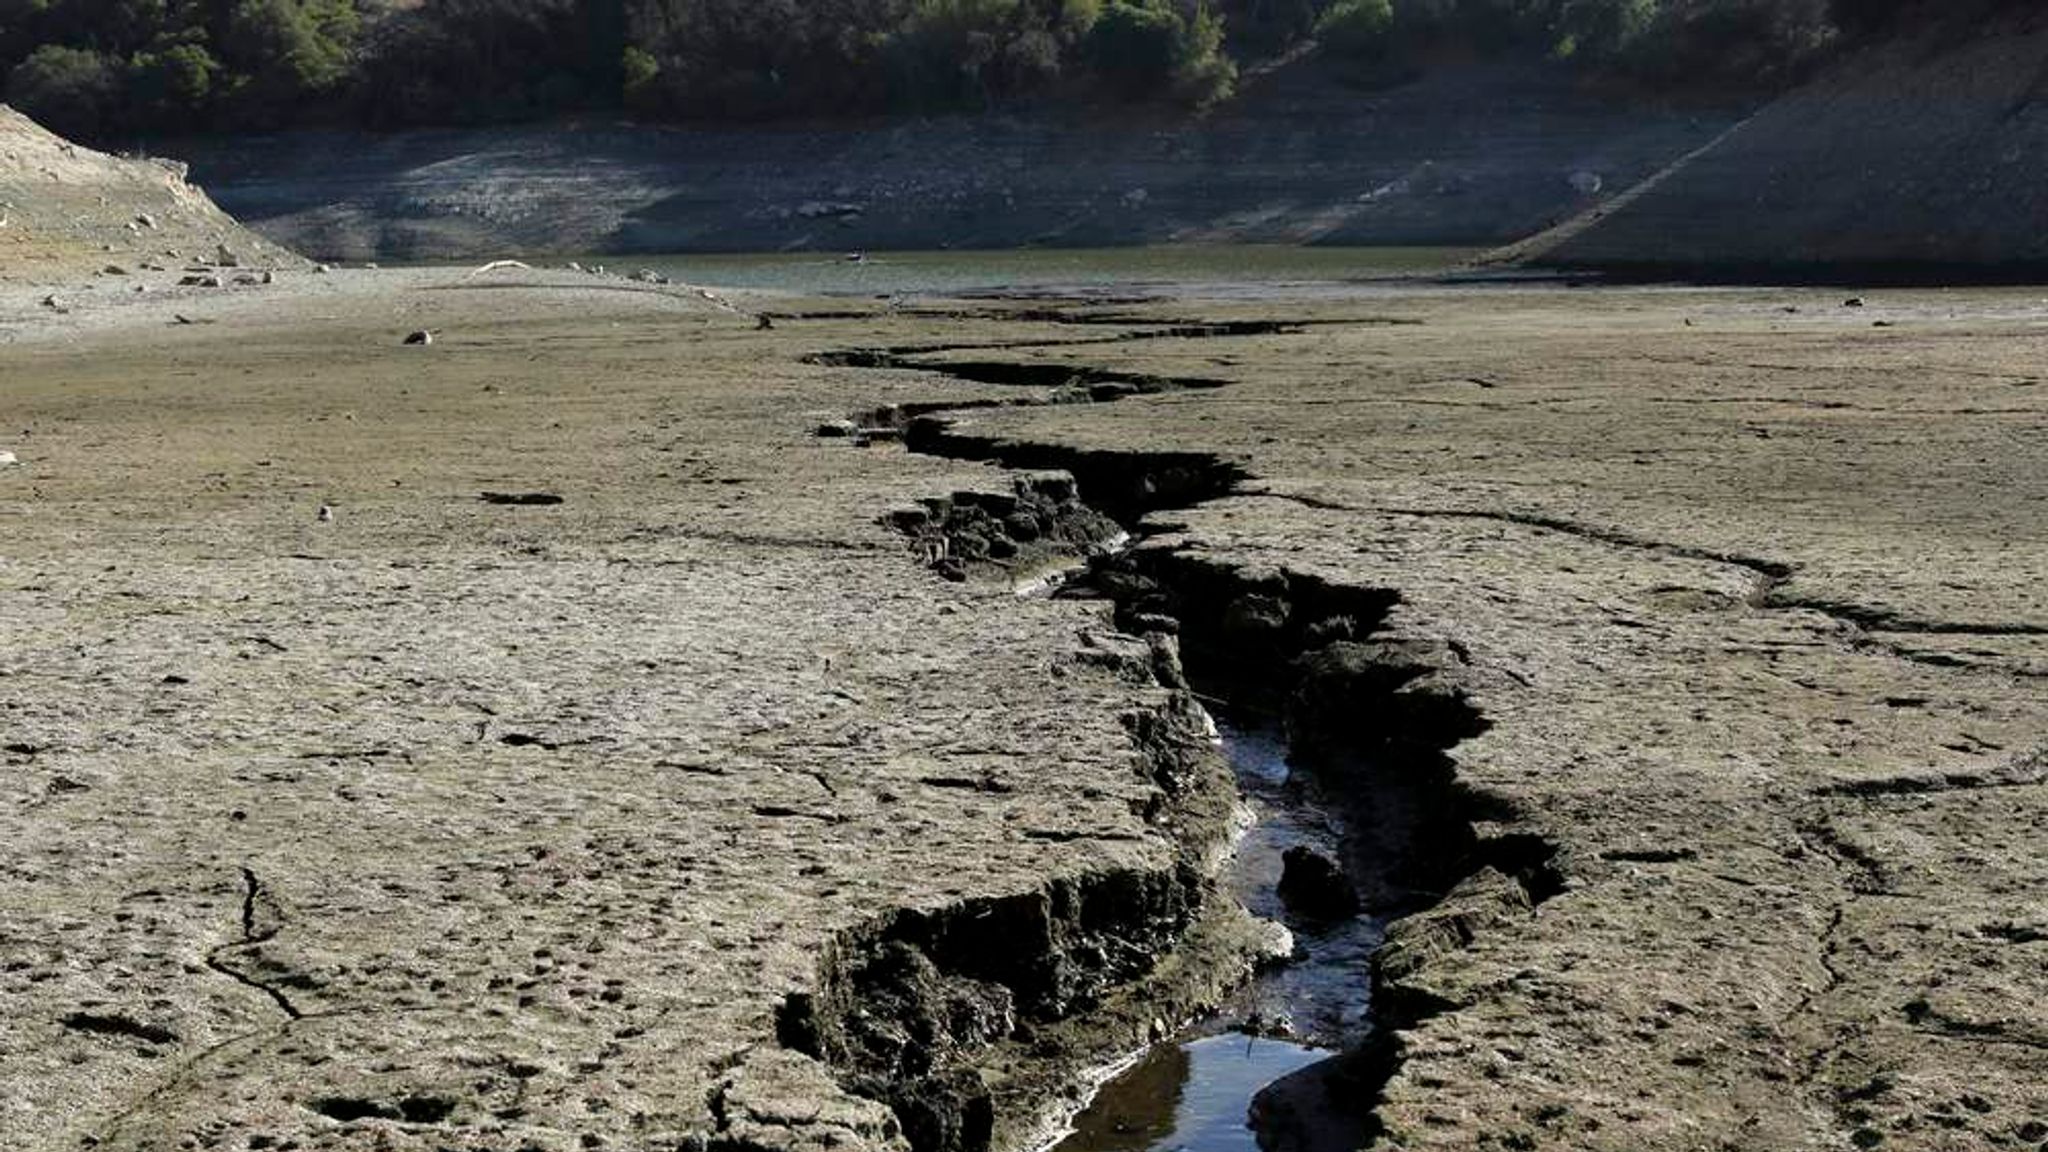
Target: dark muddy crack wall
x: 964, y: 1019
x: 1375, y: 712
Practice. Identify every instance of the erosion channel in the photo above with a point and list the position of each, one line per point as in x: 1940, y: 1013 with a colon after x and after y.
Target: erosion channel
x: 1352, y: 830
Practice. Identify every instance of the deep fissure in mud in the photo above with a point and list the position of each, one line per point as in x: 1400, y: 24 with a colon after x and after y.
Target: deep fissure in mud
x: 904, y: 1009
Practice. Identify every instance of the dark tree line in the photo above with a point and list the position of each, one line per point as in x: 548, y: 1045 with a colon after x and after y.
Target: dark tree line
x: 119, y: 70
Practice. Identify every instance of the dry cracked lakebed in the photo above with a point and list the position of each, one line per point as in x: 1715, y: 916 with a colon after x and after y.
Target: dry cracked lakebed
x: 707, y: 786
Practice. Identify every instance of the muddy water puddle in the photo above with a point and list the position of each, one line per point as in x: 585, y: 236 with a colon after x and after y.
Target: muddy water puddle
x: 1192, y: 1096
x: 1196, y: 1092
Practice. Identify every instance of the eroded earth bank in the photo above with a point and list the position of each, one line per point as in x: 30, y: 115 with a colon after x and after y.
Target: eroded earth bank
x: 673, y: 796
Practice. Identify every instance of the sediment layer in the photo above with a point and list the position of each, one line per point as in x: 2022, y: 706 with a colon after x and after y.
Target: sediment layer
x: 1707, y: 653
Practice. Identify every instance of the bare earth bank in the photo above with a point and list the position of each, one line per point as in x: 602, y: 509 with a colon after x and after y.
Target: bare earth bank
x: 688, y: 809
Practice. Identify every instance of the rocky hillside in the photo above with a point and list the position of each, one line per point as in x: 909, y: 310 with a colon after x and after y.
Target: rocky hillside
x: 1467, y: 156
x: 1917, y: 160
x: 67, y: 211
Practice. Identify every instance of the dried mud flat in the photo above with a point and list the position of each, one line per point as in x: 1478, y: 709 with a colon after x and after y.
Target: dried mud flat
x: 1706, y: 630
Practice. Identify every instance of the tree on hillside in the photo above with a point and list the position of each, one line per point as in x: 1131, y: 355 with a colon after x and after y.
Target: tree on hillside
x: 69, y: 90
x: 1155, y: 48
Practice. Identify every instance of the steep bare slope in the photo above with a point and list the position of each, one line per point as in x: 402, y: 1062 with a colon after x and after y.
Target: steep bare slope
x: 1468, y: 155
x: 67, y: 211
x: 1917, y: 160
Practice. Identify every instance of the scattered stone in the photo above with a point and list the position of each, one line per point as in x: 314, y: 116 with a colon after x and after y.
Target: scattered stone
x: 113, y: 270
x: 145, y: 220
x: 227, y: 257
x: 322, y: 269
x: 422, y: 337
x: 8, y: 460
x: 1853, y: 302
x: 837, y: 429
x: 326, y: 514
x: 199, y: 282
x: 1313, y: 885
x: 53, y: 303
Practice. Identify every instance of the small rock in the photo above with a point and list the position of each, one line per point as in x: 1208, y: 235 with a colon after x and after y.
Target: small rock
x: 836, y: 429
x: 146, y: 220
x: 1313, y: 885
x: 322, y: 269
x: 227, y: 257
x: 1853, y: 302
x: 267, y: 278
x: 421, y: 337
x: 326, y: 514
x: 52, y: 302
x: 1274, y: 943
x: 8, y: 460
x: 113, y: 270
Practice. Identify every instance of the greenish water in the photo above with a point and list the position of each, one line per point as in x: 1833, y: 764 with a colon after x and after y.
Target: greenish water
x: 1044, y: 270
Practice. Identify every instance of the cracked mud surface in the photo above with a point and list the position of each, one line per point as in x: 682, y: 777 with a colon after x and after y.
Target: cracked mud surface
x: 453, y: 824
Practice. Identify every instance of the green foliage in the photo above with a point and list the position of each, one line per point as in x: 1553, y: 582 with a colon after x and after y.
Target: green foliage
x: 127, y: 67
x: 1601, y: 29
x: 977, y: 53
x: 286, y: 51
x: 164, y: 81
x: 1160, y: 48
x: 638, y: 71
x: 1357, y: 29
x: 68, y: 89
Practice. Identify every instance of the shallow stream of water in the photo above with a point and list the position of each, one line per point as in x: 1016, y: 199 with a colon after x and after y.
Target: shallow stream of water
x: 1195, y: 1092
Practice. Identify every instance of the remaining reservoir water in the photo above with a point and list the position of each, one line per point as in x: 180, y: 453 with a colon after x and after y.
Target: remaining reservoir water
x: 1190, y: 1097
x: 1049, y: 271
x: 1195, y: 1093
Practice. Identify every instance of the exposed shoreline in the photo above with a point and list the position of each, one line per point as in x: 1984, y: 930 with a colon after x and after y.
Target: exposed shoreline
x: 739, y: 719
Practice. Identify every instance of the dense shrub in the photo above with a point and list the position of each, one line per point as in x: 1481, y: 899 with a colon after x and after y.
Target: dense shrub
x: 1161, y: 48
x: 69, y: 89
x: 1601, y: 30
x: 123, y: 68
x: 1357, y: 29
